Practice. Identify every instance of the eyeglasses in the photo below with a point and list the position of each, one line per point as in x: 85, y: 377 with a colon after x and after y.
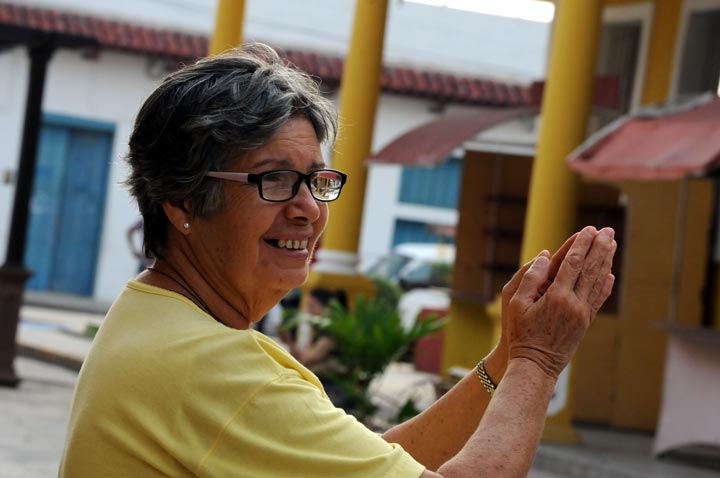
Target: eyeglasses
x: 280, y: 185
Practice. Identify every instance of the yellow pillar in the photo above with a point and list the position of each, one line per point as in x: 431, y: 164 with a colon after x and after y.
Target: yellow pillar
x: 659, y: 66
x: 228, y: 26
x: 359, y: 91
x: 552, y: 200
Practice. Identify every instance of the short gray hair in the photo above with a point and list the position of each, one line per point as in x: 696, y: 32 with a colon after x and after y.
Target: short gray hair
x: 207, y: 115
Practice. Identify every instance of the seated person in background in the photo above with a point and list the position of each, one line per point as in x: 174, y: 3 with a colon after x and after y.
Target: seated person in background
x: 315, y: 352
x: 311, y: 346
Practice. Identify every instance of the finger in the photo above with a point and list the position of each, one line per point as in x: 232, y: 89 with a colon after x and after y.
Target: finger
x: 604, y: 293
x: 555, y: 262
x: 572, y: 263
x: 559, y: 255
x: 532, y: 281
x: 511, y: 287
x: 599, y: 254
x: 605, y: 271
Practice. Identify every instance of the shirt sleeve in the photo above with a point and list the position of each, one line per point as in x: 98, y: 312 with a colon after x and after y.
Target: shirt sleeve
x: 289, y: 429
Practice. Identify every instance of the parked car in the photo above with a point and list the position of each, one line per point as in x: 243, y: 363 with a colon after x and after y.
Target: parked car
x: 423, y: 271
x: 416, y: 265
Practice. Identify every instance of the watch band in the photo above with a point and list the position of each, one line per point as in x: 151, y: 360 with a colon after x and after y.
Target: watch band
x: 484, y: 378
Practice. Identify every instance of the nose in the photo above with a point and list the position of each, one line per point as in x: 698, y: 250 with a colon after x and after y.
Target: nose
x: 304, y: 206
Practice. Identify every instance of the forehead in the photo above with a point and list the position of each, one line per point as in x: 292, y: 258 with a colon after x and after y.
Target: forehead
x: 295, y: 146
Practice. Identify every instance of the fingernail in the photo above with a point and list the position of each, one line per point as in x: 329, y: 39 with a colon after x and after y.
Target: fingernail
x: 609, y: 231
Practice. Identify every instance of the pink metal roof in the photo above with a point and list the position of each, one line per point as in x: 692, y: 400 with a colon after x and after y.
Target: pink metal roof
x: 433, y: 142
x: 666, y: 143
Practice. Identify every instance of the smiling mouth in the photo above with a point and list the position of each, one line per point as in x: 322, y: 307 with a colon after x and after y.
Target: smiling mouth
x: 289, y: 244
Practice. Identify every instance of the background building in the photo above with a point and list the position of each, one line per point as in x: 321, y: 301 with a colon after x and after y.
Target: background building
x: 79, y: 214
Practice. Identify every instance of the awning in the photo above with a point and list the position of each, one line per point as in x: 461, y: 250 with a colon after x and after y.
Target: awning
x: 659, y: 143
x: 432, y: 143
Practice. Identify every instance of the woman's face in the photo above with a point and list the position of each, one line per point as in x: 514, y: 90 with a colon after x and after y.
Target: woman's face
x: 238, y: 248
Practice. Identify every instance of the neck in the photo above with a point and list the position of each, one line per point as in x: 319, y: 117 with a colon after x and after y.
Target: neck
x: 177, y: 273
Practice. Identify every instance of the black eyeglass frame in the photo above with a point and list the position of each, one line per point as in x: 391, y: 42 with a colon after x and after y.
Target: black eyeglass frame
x: 302, y: 178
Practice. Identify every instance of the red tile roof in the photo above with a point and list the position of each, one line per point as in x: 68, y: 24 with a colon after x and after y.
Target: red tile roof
x: 117, y: 35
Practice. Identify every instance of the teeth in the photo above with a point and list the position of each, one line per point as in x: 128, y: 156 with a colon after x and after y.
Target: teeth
x: 292, y: 244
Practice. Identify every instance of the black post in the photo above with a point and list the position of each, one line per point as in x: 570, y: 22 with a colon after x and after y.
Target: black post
x: 13, y: 274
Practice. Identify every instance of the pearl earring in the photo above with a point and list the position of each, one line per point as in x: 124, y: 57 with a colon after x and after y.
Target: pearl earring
x: 186, y: 225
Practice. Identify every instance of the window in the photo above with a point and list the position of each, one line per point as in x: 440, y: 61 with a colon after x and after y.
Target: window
x: 436, y: 186
x: 700, y: 60
x: 413, y: 231
x: 619, y: 47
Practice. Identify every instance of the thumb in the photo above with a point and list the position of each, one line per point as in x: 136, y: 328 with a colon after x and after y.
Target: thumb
x: 533, y: 280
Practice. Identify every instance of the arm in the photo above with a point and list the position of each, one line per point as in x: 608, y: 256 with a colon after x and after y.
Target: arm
x: 316, y: 351
x: 456, y: 415
x: 544, y: 327
x: 505, y: 442
x: 132, y: 231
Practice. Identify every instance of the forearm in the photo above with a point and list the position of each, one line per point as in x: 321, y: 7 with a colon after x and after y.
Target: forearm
x: 507, y: 438
x: 438, y: 433
x: 317, y: 351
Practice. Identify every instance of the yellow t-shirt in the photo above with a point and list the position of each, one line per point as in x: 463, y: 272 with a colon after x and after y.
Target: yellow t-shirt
x: 168, y: 391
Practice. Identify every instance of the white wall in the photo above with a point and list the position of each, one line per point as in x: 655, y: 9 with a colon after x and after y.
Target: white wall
x: 13, y: 88
x: 109, y: 89
x: 440, y: 38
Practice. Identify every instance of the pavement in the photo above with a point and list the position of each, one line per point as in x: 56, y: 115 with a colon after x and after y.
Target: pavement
x: 52, y: 344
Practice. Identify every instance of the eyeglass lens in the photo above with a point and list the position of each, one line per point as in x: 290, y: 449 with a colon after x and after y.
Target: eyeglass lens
x: 284, y: 185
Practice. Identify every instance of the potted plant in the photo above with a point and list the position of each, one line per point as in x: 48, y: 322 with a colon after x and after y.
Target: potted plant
x: 368, y: 338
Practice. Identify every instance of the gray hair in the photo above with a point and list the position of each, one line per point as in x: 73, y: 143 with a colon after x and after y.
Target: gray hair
x: 204, y: 117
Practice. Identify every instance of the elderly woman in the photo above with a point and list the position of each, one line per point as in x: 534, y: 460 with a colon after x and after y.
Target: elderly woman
x: 226, y: 167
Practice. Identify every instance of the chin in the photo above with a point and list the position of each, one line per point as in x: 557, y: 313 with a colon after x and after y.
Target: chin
x: 294, y: 278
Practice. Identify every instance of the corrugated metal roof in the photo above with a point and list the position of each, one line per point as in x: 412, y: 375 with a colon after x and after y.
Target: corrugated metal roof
x: 659, y: 143
x: 433, y: 142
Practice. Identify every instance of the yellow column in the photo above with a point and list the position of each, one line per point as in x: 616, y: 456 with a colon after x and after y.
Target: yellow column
x: 359, y: 91
x: 228, y: 26
x: 552, y: 200
x: 661, y: 55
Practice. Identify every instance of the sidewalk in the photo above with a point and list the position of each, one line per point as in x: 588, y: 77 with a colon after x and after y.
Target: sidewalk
x: 52, y: 346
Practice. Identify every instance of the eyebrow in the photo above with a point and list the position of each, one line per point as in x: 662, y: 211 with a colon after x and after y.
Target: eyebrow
x: 287, y: 164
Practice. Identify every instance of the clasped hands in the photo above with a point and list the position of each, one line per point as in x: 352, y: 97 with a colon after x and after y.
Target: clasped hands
x: 551, y: 301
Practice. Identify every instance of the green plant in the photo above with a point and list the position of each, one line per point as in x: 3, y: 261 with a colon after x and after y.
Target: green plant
x: 368, y: 338
x: 387, y: 291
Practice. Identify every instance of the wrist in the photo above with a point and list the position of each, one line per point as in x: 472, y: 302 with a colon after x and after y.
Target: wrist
x: 547, y: 362
x: 496, y: 363
x: 530, y: 367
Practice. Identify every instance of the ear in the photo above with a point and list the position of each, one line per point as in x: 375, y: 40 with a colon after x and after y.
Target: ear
x: 179, y: 215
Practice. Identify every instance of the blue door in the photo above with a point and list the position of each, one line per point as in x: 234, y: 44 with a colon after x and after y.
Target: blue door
x: 67, y: 205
